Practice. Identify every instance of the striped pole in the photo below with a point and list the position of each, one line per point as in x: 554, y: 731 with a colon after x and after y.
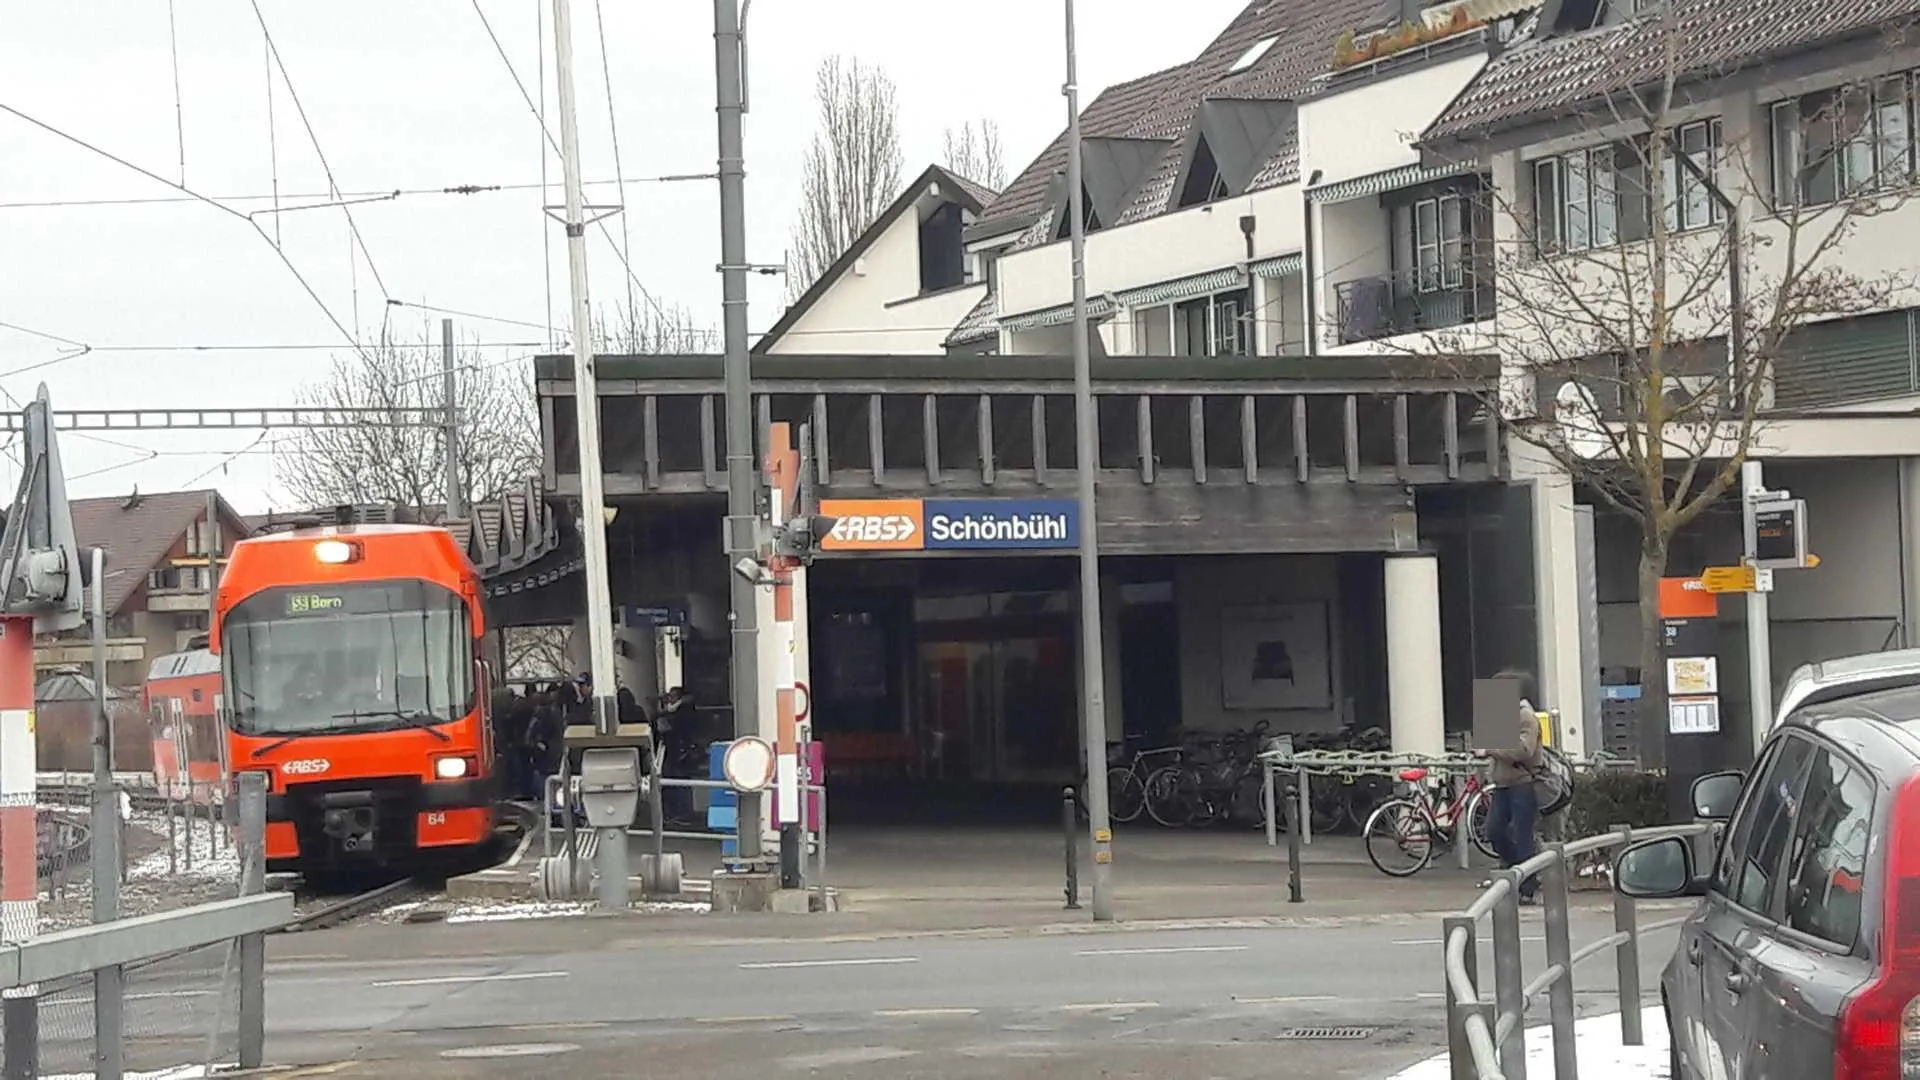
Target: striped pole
x: 783, y: 476
x: 19, y: 847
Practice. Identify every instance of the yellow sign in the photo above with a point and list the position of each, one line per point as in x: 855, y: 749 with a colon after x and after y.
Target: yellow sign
x: 1728, y: 579
x: 29, y: 721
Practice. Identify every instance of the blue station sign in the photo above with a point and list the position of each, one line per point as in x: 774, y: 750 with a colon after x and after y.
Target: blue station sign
x: 1001, y: 524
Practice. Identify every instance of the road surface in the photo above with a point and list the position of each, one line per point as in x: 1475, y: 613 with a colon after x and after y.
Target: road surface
x: 1208, y: 1003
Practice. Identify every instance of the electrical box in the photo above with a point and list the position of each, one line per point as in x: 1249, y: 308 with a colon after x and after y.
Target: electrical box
x: 610, y: 786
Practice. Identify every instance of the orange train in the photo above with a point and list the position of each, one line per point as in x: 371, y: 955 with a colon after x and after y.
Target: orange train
x: 351, y: 675
x: 184, y: 709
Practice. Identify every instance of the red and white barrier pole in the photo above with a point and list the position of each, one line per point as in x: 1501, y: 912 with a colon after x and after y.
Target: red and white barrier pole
x: 783, y: 475
x: 19, y: 843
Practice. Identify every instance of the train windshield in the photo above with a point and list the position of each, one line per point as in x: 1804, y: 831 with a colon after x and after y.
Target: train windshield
x: 357, y: 657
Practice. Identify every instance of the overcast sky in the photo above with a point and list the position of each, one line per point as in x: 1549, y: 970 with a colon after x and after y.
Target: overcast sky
x: 414, y: 96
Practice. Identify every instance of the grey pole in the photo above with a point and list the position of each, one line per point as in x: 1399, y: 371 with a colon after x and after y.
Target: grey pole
x: 593, y: 516
x: 449, y: 396
x: 741, y: 539
x: 253, y: 947
x: 1753, y: 484
x: 109, y: 984
x: 1093, y: 706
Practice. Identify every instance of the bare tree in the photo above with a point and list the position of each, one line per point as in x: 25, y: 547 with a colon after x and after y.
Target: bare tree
x: 852, y: 168
x: 973, y: 151
x: 405, y: 465
x: 1629, y: 364
x: 537, y: 652
x: 652, y: 330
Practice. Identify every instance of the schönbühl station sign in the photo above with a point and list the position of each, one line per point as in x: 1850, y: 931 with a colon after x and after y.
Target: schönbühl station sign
x: 951, y: 524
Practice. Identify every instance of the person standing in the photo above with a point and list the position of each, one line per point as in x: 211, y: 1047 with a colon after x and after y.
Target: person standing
x: 1516, y: 808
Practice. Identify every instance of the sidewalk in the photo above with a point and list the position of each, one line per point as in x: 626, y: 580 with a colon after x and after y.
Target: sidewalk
x: 919, y: 880
x: 1602, y: 1055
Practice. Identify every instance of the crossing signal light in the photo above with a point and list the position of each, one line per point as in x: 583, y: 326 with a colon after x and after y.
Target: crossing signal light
x: 802, y: 536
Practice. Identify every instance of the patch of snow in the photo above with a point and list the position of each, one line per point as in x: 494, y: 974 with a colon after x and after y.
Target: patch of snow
x: 179, y: 1073
x: 504, y: 912
x: 1602, y: 1055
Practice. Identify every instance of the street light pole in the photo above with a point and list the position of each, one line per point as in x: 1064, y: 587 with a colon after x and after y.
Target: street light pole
x: 742, y: 519
x: 1093, y: 709
x: 612, y: 851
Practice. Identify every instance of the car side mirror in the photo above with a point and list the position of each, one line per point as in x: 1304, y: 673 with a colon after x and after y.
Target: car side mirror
x: 1657, y: 870
x: 1714, y: 795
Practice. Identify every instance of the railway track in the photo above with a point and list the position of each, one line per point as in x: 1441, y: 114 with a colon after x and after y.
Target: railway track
x: 338, y: 912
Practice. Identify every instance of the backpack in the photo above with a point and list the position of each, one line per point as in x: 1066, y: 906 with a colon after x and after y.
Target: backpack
x: 1553, y: 782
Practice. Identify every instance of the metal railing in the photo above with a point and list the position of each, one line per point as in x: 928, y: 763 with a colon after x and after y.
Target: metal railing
x: 108, y: 951
x: 1486, y: 1038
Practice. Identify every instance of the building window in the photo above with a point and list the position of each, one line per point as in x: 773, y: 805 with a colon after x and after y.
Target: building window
x: 1839, y: 143
x: 1439, y: 242
x: 1217, y: 325
x: 1598, y: 197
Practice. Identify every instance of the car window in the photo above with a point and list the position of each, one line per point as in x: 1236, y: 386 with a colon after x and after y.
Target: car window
x: 1776, y: 801
x: 1734, y: 837
x: 1826, y: 870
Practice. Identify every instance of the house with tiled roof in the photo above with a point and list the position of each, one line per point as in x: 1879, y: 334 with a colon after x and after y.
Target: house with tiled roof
x: 1802, y: 116
x: 158, y: 576
x: 901, y: 286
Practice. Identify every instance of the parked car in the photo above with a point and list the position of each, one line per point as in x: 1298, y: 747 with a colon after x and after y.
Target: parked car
x: 1811, y: 684
x: 1803, y: 958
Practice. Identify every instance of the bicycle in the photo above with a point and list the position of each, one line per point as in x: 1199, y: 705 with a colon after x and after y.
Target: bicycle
x: 1414, y: 825
x: 1127, y: 784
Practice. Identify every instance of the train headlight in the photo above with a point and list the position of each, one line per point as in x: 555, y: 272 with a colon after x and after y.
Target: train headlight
x: 334, y: 552
x: 450, y: 768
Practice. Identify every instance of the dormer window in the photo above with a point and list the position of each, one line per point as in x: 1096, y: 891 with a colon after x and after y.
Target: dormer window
x: 1204, y: 182
x: 1090, y: 219
x: 943, y: 256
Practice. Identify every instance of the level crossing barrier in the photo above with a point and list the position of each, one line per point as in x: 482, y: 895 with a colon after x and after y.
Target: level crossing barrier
x: 107, y: 951
x: 1486, y: 1035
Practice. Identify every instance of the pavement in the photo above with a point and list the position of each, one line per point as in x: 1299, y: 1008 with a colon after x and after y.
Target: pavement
x: 499, y: 1000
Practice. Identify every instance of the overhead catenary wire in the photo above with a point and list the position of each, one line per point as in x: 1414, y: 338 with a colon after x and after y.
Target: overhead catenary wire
x: 333, y: 185
x: 179, y: 106
x: 613, y: 124
x: 384, y: 195
x: 547, y: 136
x: 150, y: 174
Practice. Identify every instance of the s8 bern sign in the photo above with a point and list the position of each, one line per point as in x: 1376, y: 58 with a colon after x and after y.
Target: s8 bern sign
x: 951, y: 524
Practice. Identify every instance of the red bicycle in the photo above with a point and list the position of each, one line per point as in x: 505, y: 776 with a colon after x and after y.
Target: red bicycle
x: 1403, y: 833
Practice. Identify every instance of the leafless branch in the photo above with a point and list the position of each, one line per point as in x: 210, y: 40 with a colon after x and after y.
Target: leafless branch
x: 404, y: 466
x: 973, y: 151
x: 537, y: 652
x: 852, y: 167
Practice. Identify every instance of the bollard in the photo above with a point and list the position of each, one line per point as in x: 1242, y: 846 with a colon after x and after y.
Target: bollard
x: 251, y: 846
x: 1071, y: 835
x: 1553, y: 896
x: 1294, y: 827
x: 1627, y: 957
x: 1269, y: 807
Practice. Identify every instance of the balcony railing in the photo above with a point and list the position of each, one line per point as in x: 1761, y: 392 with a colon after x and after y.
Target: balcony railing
x: 1371, y: 308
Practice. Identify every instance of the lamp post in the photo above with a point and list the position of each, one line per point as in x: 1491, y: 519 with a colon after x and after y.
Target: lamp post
x: 1093, y: 708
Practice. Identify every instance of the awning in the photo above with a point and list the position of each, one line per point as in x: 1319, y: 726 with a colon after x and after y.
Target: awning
x: 1379, y: 183
x: 1212, y: 281
x: 1053, y: 316
x: 1278, y: 266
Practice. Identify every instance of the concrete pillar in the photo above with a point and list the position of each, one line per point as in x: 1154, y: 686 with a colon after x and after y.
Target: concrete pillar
x: 1417, y: 713
x: 1910, y: 552
x: 1556, y: 592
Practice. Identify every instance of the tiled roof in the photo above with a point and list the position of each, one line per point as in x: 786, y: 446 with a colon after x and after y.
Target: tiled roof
x: 981, y: 193
x: 1162, y: 105
x: 137, y: 531
x: 1539, y: 79
x: 978, y: 324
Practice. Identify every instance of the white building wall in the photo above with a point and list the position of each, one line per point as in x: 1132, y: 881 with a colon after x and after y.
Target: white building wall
x: 1163, y: 248
x: 877, y: 308
x: 1370, y: 128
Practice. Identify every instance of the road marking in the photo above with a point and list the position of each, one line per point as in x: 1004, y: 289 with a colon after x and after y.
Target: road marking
x: 899, y: 1013
x: 448, y: 980
x: 1285, y: 1000
x: 1162, y: 950
x: 776, y: 1018
x: 1436, y: 941
x: 1109, y: 1006
x: 574, y: 1025
x: 857, y: 961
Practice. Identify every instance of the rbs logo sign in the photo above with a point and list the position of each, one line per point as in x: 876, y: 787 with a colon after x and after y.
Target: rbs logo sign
x: 951, y: 524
